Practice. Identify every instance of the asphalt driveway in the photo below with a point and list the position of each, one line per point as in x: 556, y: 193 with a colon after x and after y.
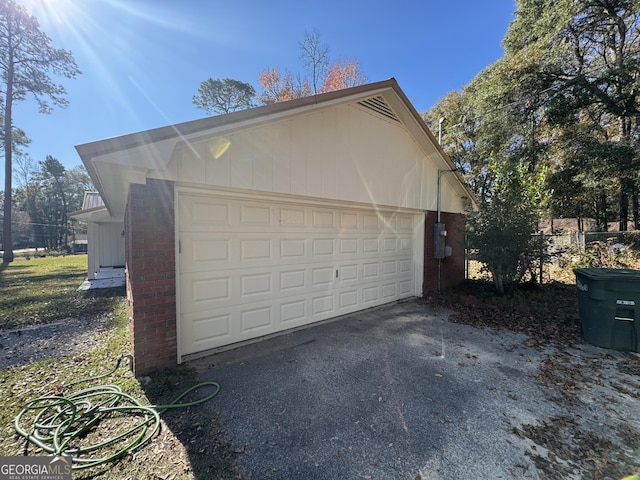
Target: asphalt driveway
x: 395, y: 392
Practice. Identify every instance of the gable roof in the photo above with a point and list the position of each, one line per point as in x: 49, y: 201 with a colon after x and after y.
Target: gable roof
x: 91, y: 200
x: 113, y: 163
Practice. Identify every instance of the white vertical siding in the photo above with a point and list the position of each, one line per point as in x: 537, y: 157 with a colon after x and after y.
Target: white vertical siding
x: 111, y: 243
x: 93, y: 249
x: 343, y: 153
x: 105, y: 246
x: 298, y: 153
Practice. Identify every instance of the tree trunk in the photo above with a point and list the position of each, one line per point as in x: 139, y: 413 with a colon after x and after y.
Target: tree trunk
x: 624, y: 210
x: 498, y: 281
x: 7, y: 240
x: 602, y: 213
x: 636, y: 212
x: 625, y: 139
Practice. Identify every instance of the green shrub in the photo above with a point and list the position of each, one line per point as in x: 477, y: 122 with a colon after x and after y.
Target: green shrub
x: 501, y: 230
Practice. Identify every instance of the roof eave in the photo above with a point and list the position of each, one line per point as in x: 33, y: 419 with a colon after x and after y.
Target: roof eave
x: 425, y: 129
x: 87, y: 212
x: 91, y: 152
x: 164, y: 137
x: 132, y: 140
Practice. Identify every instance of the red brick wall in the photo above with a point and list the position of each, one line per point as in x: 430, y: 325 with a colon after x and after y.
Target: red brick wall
x: 151, y: 275
x: 451, y: 268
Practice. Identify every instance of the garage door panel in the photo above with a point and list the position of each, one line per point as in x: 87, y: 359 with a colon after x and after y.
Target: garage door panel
x: 389, y: 267
x: 348, y: 221
x: 322, y: 276
x: 293, y: 249
x: 348, y: 299
x: 389, y: 291
x: 348, y: 246
x: 322, y: 247
x: 221, y: 289
x: 389, y: 245
x: 370, y: 270
x: 405, y: 223
x: 406, y: 266
x: 254, y: 284
x: 210, y: 214
x: 405, y: 287
x: 348, y: 273
x: 370, y: 222
x: 254, y: 250
x: 201, y: 252
x: 260, y: 318
x: 294, y: 311
x: 200, y: 213
x: 207, y: 251
x: 293, y: 217
x: 370, y: 245
x: 235, y: 324
x: 205, y: 291
x: 323, y: 219
x: 209, y: 289
x: 250, y: 249
x: 218, y: 327
x: 207, y: 329
x: 292, y: 280
x: 323, y: 305
x: 406, y: 245
x: 255, y: 268
x: 370, y: 295
x: 258, y: 215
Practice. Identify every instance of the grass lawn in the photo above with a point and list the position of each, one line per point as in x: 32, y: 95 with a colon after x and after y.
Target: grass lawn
x: 44, y: 290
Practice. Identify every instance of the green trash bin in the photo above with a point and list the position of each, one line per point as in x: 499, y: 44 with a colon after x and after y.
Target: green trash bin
x: 609, y: 306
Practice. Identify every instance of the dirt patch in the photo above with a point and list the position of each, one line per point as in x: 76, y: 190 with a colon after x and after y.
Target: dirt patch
x: 570, y: 450
x: 598, y: 437
x: 191, y: 442
x: 548, y: 313
x: 34, y: 343
x: 197, y: 428
x: 596, y: 390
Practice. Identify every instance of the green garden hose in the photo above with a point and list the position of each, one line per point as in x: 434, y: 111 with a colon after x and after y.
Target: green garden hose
x: 69, y: 425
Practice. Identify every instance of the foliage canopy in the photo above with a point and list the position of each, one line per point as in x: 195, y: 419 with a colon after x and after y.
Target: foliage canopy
x: 563, y: 102
x: 218, y: 96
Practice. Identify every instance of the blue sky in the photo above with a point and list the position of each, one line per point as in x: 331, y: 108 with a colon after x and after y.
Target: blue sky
x: 143, y: 60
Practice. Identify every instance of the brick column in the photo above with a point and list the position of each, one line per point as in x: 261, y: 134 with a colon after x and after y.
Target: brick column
x: 151, y: 275
x: 451, y: 268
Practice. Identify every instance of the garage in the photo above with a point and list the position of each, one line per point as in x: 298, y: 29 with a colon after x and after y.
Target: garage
x: 256, y: 222
x: 250, y: 268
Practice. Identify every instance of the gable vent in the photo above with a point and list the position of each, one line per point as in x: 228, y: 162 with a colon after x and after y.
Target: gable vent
x: 379, y: 106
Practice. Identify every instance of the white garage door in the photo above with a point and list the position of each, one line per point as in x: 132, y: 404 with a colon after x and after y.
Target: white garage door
x: 250, y: 268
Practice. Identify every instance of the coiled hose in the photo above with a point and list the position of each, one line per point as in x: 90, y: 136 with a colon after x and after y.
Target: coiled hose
x: 69, y: 425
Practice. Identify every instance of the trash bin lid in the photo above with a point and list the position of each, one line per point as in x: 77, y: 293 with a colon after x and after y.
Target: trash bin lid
x: 609, y: 273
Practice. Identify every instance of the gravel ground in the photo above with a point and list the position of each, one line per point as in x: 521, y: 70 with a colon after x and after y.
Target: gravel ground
x: 72, y: 336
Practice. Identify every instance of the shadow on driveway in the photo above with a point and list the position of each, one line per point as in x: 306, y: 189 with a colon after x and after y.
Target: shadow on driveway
x: 392, y: 392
